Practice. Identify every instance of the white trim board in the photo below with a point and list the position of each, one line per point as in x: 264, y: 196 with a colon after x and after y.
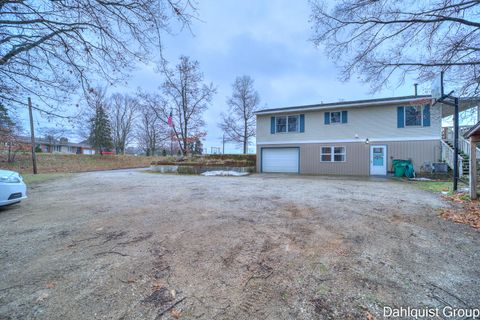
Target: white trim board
x: 337, y: 106
x: 360, y: 140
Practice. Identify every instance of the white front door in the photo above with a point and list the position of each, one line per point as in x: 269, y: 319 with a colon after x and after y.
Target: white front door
x: 378, y: 160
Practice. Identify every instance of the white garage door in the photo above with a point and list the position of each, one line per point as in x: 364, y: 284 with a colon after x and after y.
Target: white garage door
x: 280, y: 160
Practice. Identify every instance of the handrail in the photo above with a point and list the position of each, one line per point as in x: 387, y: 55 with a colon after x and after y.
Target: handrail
x: 447, y: 156
x: 463, y: 144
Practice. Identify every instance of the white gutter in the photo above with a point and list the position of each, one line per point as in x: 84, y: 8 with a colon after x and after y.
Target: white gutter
x: 359, y: 140
x: 346, y: 105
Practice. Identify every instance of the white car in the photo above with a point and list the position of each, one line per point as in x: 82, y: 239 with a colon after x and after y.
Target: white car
x: 12, y: 188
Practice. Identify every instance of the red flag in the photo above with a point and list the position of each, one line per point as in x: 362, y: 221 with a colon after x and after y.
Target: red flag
x: 170, y: 121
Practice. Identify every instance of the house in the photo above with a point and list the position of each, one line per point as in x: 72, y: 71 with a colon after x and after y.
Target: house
x: 349, y: 137
x: 62, y: 145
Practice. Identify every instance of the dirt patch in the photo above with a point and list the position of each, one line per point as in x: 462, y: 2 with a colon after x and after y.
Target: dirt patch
x: 130, y: 245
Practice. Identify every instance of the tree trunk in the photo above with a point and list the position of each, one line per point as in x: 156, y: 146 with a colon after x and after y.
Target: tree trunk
x: 245, y: 139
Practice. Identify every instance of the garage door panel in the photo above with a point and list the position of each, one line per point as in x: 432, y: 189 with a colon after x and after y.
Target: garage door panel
x: 284, y: 160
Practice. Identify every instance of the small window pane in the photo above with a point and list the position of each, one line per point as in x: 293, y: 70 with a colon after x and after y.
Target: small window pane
x: 326, y: 154
x: 281, y: 124
x: 326, y: 157
x: 413, y: 116
x: 339, y: 150
x: 335, y: 117
x: 339, y: 157
x: 293, y: 124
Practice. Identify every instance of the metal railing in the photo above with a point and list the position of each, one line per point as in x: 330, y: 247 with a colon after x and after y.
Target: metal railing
x: 447, y: 156
x: 463, y: 144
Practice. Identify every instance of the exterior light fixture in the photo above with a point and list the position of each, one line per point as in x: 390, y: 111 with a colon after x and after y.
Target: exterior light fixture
x: 367, y: 141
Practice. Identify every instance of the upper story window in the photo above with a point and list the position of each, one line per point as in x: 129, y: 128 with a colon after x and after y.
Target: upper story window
x: 413, y: 116
x: 336, y: 117
x: 287, y: 124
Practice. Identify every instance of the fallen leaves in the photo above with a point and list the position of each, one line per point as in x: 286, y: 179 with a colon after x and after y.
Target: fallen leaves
x: 466, y: 211
x: 176, y: 314
x: 158, y: 285
x: 369, y: 316
x: 50, y: 285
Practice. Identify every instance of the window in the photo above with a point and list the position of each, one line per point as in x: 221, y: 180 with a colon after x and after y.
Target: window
x: 281, y: 124
x: 287, y: 124
x: 57, y: 148
x: 326, y: 154
x: 333, y: 154
x: 335, y: 117
x: 292, y: 123
x: 413, y: 116
x: 339, y: 154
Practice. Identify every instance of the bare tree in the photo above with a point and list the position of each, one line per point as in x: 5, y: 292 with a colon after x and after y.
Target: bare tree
x: 53, y: 134
x: 239, y: 123
x: 122, y: 111
x: 151, y: 131
x: 186, y: 97
x: 49, y: 49
x: 382, y: 40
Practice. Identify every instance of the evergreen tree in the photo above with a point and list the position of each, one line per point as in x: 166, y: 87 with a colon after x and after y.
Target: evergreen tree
x: 198, y: 150
x: 100, y: 130
x: 6, y: 122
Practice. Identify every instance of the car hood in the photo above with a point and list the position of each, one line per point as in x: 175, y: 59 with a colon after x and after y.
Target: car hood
x: 8, y: 173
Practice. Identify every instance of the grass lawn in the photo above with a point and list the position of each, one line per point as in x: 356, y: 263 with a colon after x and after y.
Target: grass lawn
x: 435, y: 186
x: 440, y: 186
x: 30, y: 178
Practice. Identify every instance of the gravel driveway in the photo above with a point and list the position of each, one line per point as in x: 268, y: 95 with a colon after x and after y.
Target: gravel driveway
x: 135, y: 245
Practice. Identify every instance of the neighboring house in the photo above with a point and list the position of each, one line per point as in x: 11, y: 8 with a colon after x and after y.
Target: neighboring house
x: 62, y: 145
x: 350, y: 137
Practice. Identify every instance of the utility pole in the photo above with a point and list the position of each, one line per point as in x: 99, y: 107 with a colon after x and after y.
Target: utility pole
x: 455, y: 144
x: 455, y: 104
x: 223, y: 144
x: 32, y: 136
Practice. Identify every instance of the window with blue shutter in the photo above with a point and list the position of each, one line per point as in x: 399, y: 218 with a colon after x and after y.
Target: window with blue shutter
x: 400, y: 117
x: 426, y: 115
x: 272, y: 125
x: 302, y: 123
x: 344, y: 116
x: 327, y: 117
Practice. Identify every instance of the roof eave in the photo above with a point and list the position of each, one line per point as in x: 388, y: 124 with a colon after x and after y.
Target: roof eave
x: 337, y: 106
x: 473, y: 130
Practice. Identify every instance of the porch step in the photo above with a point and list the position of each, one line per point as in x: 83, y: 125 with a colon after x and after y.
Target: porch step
x: 465, y: 159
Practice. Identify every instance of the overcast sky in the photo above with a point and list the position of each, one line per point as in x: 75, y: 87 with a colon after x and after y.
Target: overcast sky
x: 268, y: 40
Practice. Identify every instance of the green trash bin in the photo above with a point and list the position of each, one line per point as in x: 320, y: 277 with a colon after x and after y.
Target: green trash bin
x: 400, y: 167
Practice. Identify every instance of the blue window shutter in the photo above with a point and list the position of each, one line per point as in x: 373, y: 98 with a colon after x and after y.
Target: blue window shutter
x: 400, y: 117
x: 327, y: 117
x: 302, y: 123
x: 344, y: 116
x: 272, y: 125
x: 426, y: 115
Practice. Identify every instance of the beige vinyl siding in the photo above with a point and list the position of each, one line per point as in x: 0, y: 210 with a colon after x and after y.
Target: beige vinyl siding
x: 358, y: 156
x: 379, y: 122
